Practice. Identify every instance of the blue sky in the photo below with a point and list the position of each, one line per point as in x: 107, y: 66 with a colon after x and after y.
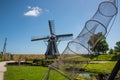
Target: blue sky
x: 22, y: 19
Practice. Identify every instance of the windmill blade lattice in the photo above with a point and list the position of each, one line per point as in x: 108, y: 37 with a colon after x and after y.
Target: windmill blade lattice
x: 64, y: 37
x: 71, y: 61
x: 51, y: 27
x: 38, y: 38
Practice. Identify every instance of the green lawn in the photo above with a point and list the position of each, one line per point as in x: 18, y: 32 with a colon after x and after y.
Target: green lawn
x: 104, y: 68
x: 36, y: 72
x: 107, y: 57
x: 29, y: 73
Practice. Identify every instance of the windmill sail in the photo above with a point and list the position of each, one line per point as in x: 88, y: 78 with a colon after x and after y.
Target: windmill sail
x: 51, y: 27
x: 64, y: 37
x: 37, y: 39
x: 4, y: 49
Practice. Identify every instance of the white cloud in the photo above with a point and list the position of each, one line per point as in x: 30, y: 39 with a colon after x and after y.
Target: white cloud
x: 33, y: 11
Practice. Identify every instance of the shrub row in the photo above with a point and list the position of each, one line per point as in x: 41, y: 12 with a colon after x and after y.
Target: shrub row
x: 27, y: 57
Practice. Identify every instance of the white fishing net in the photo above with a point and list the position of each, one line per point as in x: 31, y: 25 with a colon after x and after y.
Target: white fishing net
x: 73, y: 59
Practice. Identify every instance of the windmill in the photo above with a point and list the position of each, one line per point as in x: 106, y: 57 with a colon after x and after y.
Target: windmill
x: 53, y: 40
x: 4, y: 49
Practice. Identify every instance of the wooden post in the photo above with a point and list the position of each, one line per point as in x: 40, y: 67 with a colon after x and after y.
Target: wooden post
x: 19, y: 61
x: 115, y: 71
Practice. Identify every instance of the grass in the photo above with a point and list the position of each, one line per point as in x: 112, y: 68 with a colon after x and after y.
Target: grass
x: 104, y: 68
x: 107, y: 57
x: 36, y: 72
x: 29, y: 73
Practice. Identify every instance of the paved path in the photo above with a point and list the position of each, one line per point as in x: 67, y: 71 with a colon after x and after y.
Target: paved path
x: 3, y: 69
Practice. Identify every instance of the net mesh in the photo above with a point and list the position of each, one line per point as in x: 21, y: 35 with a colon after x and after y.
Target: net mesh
x: 73, y: 59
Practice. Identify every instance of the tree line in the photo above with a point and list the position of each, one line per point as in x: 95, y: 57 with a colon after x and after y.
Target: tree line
x: 98, y: 45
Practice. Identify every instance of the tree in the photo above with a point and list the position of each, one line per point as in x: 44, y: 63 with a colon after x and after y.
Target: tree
x: 94, y: 39
x: 102, y: 46
x: 117, y: 47
x: 111, y: 51
x: 98, y: 43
